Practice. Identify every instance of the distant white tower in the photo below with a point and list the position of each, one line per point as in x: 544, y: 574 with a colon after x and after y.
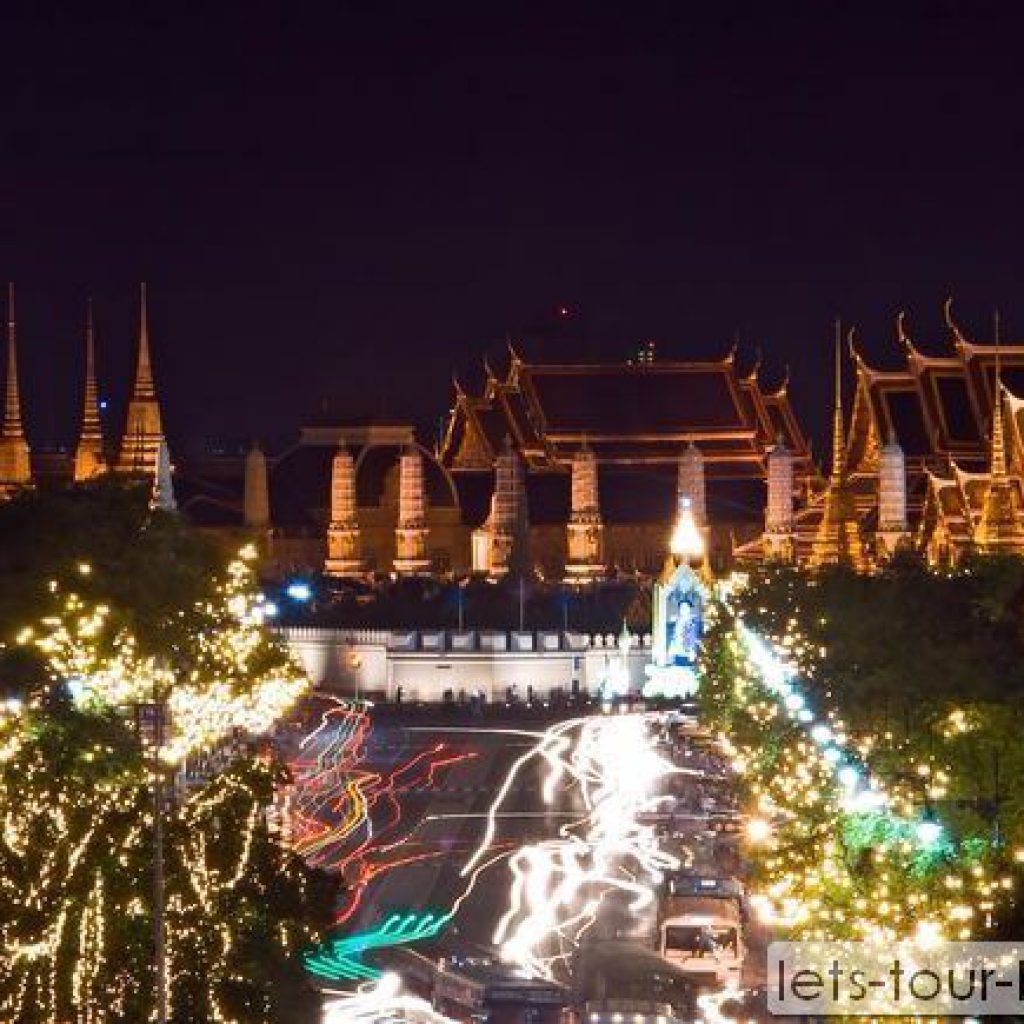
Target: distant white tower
x: 163, y: 487
x: 691, y: 485
x: 411, y: 531
x: 343, y: 556
x: 778, y: 519
x: 892, y: 499
x: 256, y: 494
x: 585, y: 531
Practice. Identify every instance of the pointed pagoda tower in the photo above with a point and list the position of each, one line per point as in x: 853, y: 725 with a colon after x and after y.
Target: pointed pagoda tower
x: 411, y: 556
x: 143, y: 431
x: 15, y: 462
x: 163, y: 484
x: 585, y: 530
x: 690, y: 483
x: 778, y: 514
x: 344, y: 557
x: 893, y: 531
x: 508, y: 519
x: 255, y: 490
x: 90, y: 459
x: 999, y: 530
x: 838, y: 536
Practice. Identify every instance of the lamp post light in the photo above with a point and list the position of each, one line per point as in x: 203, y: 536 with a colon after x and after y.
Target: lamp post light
x: 687, y: 543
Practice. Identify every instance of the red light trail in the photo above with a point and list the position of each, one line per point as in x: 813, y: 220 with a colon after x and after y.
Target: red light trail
x: 345, y: 816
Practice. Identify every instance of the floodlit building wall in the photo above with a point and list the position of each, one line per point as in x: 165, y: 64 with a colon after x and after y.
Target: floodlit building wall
x: 426, y: 664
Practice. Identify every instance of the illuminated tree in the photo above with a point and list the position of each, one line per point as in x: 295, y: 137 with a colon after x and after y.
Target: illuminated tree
x: 131, y: 608
x: 843, y: 851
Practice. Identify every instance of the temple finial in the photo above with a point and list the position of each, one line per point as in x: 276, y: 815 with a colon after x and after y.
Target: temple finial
x: 837, y: 421
x: 755, y: 369
x: 89, y: 453
x: 144, y: 372
x: 12, y: 425
x: 15, y: 458
x: 901, y: 331
x: 998, y: 440
x: 947, y: 315
x: 143, y: 433
x: 90, y: 355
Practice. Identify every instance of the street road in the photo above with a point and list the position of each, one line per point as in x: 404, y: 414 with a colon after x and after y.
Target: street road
x: 542, y: 838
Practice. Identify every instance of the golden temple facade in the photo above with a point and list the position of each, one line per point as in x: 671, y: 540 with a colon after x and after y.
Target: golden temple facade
x: 574, y: 471
x: 932, y: 460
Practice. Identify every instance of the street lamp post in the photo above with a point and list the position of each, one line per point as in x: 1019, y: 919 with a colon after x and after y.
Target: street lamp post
x: 151, y: 724
x: 159, y: 929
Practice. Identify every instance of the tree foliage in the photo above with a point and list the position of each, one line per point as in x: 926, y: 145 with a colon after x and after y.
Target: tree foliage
x: 76, y: 799
x: 929, y: 664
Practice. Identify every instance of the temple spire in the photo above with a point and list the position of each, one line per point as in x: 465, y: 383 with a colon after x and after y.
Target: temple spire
x: 144, y: 389
x: 15, y: 460
x: 343, y: 537
x: 838, y: 458
x: 838, y: 536
x: 89, y: 453
x: 998, y: 437
x: 1000, y: 529
x: 143, y: 434
x: 255, y: 490
x: 12, y: 403
x: 585, y: 530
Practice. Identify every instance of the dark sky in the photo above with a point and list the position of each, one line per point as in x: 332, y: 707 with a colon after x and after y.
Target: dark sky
x: 349, y: 204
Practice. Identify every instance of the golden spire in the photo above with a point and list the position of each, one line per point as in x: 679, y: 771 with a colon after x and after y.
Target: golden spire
x: 143, y: 433
x: 838, y: 535
x: 89, y: 454
x: 838, y: 459
x: 15, y: 459
x: 144, y: 371
x: 999, y: 529
x: 12, y: 404
x: 91, y: 412
x: 998, y: 438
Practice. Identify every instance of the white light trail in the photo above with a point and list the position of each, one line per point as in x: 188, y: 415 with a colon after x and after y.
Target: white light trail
x: 379, y: 1002
x: 559, y: 884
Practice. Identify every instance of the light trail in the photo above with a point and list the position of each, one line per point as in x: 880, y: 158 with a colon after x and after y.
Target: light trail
x: 559, y: 885
x: 345, y: 817
x: 383, y: 1000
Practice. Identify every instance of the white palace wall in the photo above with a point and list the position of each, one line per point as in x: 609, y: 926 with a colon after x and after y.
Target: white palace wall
x: 426, y: 663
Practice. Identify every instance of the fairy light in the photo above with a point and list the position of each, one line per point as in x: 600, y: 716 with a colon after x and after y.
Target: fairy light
x: 849, y: 857
x: 76, y: 834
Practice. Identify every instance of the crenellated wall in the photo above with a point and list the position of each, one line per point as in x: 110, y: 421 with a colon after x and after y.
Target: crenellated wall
x: 374, y: 664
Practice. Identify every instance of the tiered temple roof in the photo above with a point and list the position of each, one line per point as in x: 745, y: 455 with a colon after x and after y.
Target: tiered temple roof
x: 628, y: 414
x: 939, y: 407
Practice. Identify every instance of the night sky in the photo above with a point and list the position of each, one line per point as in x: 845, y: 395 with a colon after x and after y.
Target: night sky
x: 345, y: 206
